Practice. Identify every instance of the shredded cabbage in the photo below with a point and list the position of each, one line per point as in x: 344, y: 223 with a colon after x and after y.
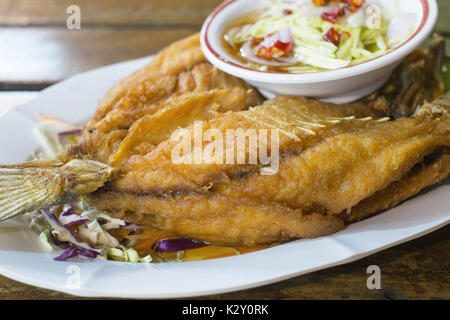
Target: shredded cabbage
x: 47, y: 134
x: 91, y: 236
x: 127, y: 255
x: 44, y: 241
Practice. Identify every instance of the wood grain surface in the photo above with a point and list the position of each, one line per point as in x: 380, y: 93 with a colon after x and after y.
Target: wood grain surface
x: 37, y: 50
x: 116, y: 13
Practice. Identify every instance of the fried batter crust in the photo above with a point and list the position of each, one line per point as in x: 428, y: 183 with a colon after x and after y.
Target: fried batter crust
x: 338, y: 164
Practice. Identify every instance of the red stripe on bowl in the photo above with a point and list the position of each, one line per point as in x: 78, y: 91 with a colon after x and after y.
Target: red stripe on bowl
x: 209, y: 20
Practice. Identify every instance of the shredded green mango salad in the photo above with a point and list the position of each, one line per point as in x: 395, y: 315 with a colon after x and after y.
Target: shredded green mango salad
x: 298, y: 36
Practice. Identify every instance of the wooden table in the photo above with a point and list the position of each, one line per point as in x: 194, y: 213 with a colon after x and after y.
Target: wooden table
x: 37, y: 50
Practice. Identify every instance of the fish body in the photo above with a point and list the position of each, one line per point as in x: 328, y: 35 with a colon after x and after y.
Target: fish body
x: 347, y: 171
x: 338, y: 163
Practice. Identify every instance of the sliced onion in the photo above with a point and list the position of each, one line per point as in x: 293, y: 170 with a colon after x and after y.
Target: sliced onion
x: 285, y: 35
x: 172, y: 245
x: 104, y: 220
x: 97, y: 235
x: 401, y: 27
x: 291, y: 60
x: 356, y: 19
x: 231, y: 35
x: 309, y: 9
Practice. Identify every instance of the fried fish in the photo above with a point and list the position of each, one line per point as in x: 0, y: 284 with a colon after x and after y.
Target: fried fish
x: 353, y: 165
x: 338, y: 163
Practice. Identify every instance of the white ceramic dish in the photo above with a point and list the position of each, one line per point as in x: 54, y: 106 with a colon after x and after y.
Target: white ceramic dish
x: 75, y: 101
x: 339, y: 86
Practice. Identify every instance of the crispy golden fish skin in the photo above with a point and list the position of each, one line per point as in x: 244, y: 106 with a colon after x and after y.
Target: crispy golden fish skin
x: 38, y: 184
x: 339, y: 164
x: 216, y: 218
x: 301, y: 126
x: 177, y: 70
x: 314, y: 191
x: 180, y: 56
x: 177, y: 112
x: 363, y: 162
x: 182, y: 69
x: 154, y: 191
x: 433, y: 170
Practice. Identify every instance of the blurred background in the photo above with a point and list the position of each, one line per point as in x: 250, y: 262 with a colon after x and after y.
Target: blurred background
x: 37, y: 49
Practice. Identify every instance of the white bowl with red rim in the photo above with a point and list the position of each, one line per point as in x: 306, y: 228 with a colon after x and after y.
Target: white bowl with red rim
x: 340, y: 85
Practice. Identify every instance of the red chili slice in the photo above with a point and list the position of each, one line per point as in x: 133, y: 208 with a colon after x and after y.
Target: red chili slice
x: 334, y: 15
x: 280, y: 49
x: 330, y: 17
x: 333, y: 36
x: 274, y: 47
x: 264, y: 53
x: 350, y: 6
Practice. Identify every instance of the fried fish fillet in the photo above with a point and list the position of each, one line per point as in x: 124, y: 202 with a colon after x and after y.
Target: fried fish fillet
x: 310, y: 195
x: 338, y: 163
x: 318, y: 183
x: 179, y: 70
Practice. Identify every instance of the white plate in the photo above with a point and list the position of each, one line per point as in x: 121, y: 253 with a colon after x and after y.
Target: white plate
x: 75, y: 101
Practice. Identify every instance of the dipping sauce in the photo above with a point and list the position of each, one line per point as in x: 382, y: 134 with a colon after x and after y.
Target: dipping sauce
x: 298, y: 36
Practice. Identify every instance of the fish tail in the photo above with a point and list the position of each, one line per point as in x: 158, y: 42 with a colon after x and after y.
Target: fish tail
x: 35, y: 185
x: 28, y: 187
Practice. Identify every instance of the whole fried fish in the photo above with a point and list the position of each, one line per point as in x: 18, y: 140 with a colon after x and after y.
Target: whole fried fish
x: 344, y: 172
x: 338, y: 163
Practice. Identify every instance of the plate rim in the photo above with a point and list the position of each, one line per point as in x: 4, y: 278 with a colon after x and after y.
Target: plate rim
x: 91, y: 293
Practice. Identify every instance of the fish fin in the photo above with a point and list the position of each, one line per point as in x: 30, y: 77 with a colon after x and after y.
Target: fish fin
x: 443, y: 101
x: 28, y: 187
x: 439, y: 108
